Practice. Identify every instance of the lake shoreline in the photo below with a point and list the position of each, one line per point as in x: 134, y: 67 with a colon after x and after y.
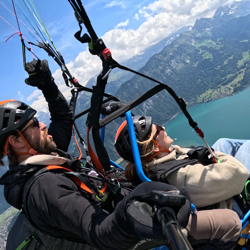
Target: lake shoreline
x: 180, y: 112
x: 221, y: 118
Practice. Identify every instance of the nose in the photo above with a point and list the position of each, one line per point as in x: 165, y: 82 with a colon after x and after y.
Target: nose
x: 42, y: 126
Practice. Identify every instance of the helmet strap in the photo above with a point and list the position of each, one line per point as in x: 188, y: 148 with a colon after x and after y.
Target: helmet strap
x: 152, y: 156
x: 157, y: 153
x: 31, y: 150
x: 160, y: 147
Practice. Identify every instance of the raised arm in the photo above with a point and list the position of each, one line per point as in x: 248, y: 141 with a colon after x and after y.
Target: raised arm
x: 61, y: 116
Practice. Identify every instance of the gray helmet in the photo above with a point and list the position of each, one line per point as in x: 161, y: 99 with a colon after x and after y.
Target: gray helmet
x: 14, y: 115
x: 143, y: 128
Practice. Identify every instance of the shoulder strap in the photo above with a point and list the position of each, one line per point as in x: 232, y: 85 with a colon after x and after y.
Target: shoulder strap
x: 164, y: 170
x: 82, y: 182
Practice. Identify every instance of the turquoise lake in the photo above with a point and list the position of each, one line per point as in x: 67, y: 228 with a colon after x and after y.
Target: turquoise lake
x: 226, y: 117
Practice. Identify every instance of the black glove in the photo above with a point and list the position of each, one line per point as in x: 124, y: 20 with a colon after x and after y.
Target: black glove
x: 110, y: 107
x: 202, y: 154
x: 39, y: 73
x: 136, y: 212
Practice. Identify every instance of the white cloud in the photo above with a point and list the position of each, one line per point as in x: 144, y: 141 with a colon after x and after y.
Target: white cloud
x: 122, y: 24
x: 116, y: 3
x: 35, y: 94
x: 20, y: 96
x: 136, y: 16
x: 162, y: 18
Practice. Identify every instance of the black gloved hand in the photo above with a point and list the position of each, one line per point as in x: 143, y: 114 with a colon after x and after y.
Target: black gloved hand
x: 110, y: 107
x: 202, y: 154
x: 39, y: 73
x: 136, y: 211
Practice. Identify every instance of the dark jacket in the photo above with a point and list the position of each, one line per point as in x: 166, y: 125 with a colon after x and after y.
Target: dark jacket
x: 55, y: 203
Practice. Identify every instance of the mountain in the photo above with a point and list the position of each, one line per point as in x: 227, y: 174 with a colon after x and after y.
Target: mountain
x: 212, y: 57
x: 202, y: 64
x: 222, y: 16
x: 3, y: 204
x: 118, y: 76
x: 208, y: 62
x: 233, y: 10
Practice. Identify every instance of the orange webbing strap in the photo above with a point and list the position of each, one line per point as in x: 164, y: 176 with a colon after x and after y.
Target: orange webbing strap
x: 31, y: 150
x: 93, y: 156
x: 80, y: 151
x: 76, y: 180
x: 160, y: 147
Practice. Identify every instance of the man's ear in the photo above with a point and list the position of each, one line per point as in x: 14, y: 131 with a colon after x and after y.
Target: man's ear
x: 16, y: 141
x: 156, y: 149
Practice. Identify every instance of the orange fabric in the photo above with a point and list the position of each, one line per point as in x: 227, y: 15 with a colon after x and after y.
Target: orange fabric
x: 80, y: 157
x: 120, y: 129
x: 157, y: 153
x: 31, y: 150
x: 3, y: 102
x: 160, y: 147
x: 152, y: 156
x: 246, y: 230
x: 76, y: 180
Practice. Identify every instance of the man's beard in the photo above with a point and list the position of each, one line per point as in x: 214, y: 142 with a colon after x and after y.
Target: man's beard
x: 46, y: 146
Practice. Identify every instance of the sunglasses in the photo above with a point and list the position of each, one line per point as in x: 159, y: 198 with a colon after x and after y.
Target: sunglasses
x: 35, y: 123
x: 158, y: 130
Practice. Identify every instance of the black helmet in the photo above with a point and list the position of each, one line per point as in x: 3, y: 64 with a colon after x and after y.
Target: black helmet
x: 143, y: 128
x: 14, y: 115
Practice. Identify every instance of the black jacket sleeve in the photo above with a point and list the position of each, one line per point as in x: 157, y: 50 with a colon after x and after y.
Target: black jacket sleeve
x: 61, y: 116
x: 66, y: 209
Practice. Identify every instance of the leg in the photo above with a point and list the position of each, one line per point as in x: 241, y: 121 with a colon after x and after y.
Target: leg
x: 214, y: 229
x: 228, y: 146
x: 243, y: 154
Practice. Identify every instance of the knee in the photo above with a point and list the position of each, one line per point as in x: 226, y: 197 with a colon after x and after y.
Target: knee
x: 233, y: 227
x: 221, y: 225
x: 246, y: 145
x: 220, y: 142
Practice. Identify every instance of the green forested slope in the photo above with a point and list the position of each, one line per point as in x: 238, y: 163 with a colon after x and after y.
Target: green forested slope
x: 198, y: 66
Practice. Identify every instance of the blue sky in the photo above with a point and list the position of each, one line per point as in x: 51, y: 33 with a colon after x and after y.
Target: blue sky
x: 127, y: 27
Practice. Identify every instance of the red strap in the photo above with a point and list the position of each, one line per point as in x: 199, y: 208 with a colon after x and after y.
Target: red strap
x: 75, y: 179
